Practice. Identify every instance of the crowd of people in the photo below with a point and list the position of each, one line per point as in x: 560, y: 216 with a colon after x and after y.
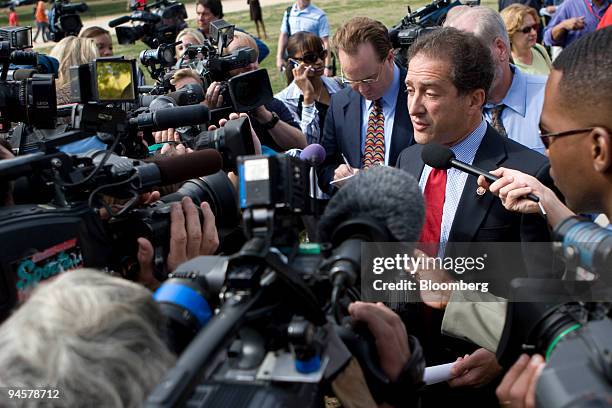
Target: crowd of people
x: 485, y: 85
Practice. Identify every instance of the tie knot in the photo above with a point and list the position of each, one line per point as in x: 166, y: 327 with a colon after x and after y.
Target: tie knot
x: 377, y: 104
x: 497, y: 110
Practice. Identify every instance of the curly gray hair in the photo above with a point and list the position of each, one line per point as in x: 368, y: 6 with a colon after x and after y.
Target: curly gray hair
x: 95, y: 338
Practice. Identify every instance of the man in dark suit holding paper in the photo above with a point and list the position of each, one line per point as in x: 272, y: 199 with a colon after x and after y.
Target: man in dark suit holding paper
x: 368, y: 121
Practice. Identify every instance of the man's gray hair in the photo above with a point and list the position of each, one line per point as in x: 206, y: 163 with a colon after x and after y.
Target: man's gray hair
x: 95, y: 338
x: 486, y: 23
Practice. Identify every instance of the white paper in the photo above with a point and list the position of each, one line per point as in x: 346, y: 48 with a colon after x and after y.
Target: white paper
x: 436, y: 374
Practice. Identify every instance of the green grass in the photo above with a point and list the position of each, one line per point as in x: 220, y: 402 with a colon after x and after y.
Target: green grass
x: 388, y: 12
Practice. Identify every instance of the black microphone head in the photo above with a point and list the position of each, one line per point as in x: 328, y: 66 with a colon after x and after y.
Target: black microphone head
x: 387, y: 195
x: 437, y: 156
x: 197, y: 164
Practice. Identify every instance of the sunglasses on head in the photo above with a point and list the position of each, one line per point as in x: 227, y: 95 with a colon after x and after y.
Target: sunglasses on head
x: 527, y: 30
x: 311, y: 57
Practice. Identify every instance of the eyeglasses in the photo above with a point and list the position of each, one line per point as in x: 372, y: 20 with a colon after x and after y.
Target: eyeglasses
x: 527, y: 30
x: 367, y: 81
x: 311, y: 57
x: 547, y: 138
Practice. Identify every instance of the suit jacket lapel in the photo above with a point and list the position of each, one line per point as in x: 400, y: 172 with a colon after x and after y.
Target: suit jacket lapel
x: 352, y: 129
x: 412, y: 162
x: 472, y: 207
x: 401, y: 122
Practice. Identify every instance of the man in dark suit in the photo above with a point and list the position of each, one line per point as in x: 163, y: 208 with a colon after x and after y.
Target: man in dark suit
x: 367, y: 122
x: 449, y: 74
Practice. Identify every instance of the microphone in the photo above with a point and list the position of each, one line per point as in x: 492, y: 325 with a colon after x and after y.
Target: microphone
x: 118, y: 21
x: 443, y: 158
x: 181, y: 168
x: 161, y: 171
x: 23, y: 73
x: 313, y: 154
x: 172, y: 117
x: 386, y: 195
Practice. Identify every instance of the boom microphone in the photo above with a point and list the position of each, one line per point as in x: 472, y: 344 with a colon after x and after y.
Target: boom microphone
x: 118, y: 21
x: 443, y: 158
x: 172, y: 117
x: 388, y: 196
x: 197, y: 164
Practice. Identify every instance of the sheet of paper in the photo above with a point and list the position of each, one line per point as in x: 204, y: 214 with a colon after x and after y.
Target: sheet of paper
x: 436, y: 374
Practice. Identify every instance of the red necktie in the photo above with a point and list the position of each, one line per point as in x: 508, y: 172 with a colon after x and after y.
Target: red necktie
x: 434, y: 205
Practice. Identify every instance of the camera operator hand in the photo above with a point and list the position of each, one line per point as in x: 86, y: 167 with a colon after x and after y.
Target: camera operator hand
x: 513, y: 187
x: 388, y: 331
x: 213, y: 98
x: 187, y: 239
x: 233, y: 116
x: 475, y: 370
x: 172, y: 143
x: 517, y: 389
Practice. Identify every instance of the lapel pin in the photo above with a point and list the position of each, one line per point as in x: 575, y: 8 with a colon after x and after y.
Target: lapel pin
x: 481, y: 191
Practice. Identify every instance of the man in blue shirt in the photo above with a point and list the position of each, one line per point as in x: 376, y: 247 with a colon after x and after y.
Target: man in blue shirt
x: 515, y: 100
x: 303, y: 16
x: 573, y: 19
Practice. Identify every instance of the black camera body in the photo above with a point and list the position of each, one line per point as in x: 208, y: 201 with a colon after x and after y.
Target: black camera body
x: 64, y: 19
x: 160, y: 22
x: 30, y: 100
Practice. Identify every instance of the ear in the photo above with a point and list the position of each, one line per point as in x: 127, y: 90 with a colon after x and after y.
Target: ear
x: 601, y: 149
x: 500, y: 51
x: 390, y: 56
x: 476, y: 99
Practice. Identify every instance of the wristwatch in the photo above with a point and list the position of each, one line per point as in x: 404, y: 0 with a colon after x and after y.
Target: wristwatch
x: 272, y: 122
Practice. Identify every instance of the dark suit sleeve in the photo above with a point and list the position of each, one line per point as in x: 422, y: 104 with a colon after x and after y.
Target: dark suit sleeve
x: 539, y: 259
x: 332, y: 150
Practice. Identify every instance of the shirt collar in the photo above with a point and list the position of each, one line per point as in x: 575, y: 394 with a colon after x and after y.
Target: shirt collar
x: 465, y: 150
x: 516, y: 97
x: 389, y: 98
x: 298, y: 11
x: 294, y: 92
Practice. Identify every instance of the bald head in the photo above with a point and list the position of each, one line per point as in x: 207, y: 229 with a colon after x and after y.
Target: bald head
x: 483, y: 22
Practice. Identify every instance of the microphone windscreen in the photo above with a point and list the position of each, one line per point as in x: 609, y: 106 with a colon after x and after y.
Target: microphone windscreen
x: 314, y: 153
x: 180, y: 116
x: 185, y: 167
x: 21, y: 74
x: 388, y: 195
x: 437, y: 156
x: 118, y: 21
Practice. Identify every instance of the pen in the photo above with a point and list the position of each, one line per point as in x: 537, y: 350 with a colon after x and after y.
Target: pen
x: 346, y: 162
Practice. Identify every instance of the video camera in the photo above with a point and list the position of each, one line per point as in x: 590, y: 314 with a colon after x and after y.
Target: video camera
x: 29, y: 97
x: 64, y: 19
x: 419, y: 22
x: 159, y: 23
x: 280, y: 332
x: 566, y: 321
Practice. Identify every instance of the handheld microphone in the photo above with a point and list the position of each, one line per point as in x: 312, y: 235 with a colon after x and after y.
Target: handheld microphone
x: 172, y: 117
x: 314, y: 154
x: 443, y: 158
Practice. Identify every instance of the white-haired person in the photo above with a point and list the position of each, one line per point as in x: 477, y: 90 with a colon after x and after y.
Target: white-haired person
x: 96, y: 339
x: 188, y: 36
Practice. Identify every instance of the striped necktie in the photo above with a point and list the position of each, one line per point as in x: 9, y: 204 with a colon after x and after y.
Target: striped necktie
x: 374, y: 152
x: 496, y: 119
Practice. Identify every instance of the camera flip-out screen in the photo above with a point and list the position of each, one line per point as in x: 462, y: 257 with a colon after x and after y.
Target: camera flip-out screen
x: 115, y: 81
